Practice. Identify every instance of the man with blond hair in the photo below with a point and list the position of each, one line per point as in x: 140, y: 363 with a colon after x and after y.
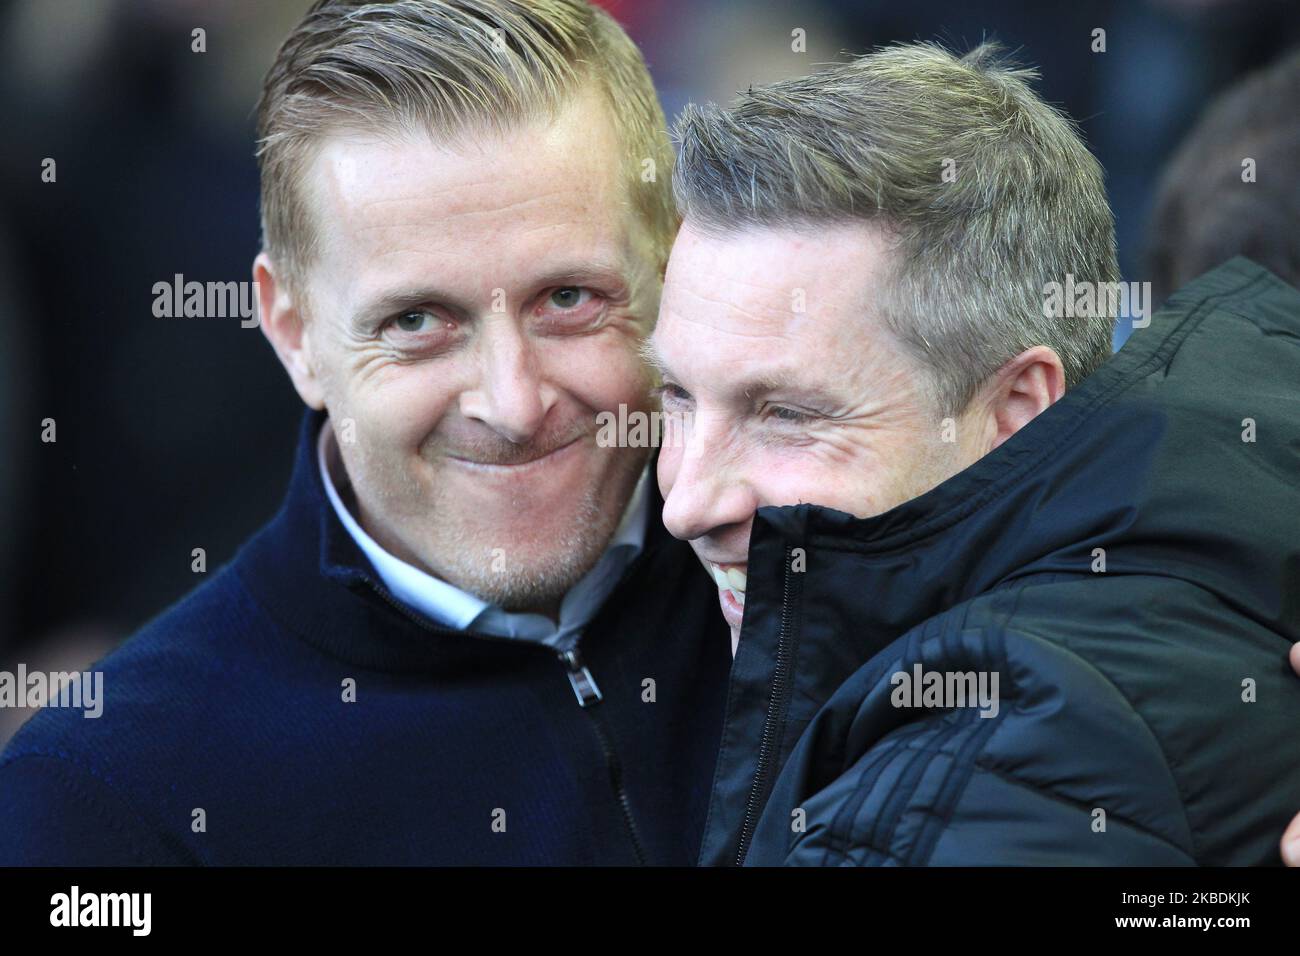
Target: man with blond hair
x: 466, y: 637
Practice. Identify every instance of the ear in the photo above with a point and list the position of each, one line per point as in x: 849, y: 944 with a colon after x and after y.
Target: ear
x: 282, y: 324
x: 1022, y: 389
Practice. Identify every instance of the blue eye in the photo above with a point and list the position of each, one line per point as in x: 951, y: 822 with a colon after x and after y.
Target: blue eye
x: 412, y: 321
x: 789, y: 415
x: 568, y: 297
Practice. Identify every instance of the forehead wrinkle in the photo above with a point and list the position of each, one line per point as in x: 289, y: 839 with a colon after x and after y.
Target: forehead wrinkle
x: 728, y: 310
x: 431, y: 217
x: 741, y: 285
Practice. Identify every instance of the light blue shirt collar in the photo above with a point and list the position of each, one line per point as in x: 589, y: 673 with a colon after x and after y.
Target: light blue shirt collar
x: 455, y: 608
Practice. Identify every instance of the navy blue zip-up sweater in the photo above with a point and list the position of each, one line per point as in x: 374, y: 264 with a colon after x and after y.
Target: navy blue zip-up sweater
x: 225, y: 737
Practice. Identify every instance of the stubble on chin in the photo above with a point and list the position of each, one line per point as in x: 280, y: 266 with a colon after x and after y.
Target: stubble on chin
x: 537, y: 569
x: 514, y: 567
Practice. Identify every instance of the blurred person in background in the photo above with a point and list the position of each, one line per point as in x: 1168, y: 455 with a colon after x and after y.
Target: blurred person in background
x: 1232, y: 189
x: 1233, y: 186
x: 169, y: 433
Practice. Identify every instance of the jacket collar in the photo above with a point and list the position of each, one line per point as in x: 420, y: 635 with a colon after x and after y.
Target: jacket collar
x: 827, y: 591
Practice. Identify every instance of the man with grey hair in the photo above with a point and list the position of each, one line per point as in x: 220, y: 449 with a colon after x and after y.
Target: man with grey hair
x: 995, y: 596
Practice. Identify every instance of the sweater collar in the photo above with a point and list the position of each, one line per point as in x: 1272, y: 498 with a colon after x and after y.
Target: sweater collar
x: 311, y: 576
x: 456, y: 608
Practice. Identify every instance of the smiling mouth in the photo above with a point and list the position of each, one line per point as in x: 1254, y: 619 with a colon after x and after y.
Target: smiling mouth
x: 518, y: 467
x: 730, y: 579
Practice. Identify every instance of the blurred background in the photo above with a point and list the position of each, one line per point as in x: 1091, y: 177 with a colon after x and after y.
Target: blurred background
x: 175, y: 434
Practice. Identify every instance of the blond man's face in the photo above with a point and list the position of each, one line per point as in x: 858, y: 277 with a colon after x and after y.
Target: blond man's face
x: 473, y: 307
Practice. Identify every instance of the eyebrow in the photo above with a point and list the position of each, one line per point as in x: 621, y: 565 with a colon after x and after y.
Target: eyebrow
x: 649, y: 353
x: 405, y: 297
x: 757, y: 386
x: 392, y: 302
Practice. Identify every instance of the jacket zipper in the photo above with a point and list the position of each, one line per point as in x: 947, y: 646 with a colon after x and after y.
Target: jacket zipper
x: 588, y: 694
x: 584, y: 686
x: 780, y: 678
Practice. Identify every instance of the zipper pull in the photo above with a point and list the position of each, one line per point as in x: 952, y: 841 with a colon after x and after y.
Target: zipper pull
x: 584, y: 685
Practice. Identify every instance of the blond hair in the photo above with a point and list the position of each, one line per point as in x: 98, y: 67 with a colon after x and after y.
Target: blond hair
x: 445, y: 66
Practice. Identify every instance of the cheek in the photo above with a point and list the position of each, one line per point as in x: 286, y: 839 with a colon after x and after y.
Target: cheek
x: 802, y: 476
x: 889, y: 470
x: 601, y: 372
x: 799, y: 480
x: 402, y: 409
x: 704, y: 562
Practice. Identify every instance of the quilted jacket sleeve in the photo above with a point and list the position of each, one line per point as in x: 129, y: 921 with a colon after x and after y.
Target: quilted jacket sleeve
x: 1058, y: 769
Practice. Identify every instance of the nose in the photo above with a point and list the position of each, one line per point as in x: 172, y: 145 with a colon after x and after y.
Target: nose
x: 705, y: 488
x: 512, y: 396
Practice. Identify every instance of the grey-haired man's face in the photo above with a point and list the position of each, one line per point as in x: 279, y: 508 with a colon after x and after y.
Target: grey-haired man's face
x: 474, y: 306
x: 770, y: 344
